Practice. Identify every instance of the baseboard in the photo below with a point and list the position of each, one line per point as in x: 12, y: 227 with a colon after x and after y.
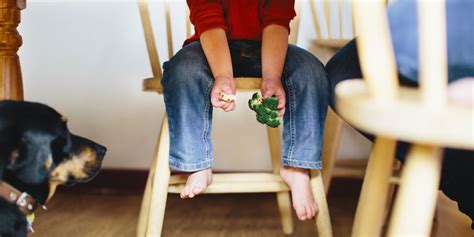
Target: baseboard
x: 112, y: 181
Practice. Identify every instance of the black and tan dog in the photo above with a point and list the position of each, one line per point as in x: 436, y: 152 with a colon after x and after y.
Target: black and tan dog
x: 38, y: 153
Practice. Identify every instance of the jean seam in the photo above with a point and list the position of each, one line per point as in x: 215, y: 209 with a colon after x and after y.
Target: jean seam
x: 189, y: 167
x: 189, y: 164
x: 291, y: 102
x: 206, y: 122
x: 304, y: 161
x: 303, y: 164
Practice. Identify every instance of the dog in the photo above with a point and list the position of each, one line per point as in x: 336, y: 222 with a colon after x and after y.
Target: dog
x: 38, y: 153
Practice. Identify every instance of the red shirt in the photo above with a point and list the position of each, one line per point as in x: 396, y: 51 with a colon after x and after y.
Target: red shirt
x: 241, y: 19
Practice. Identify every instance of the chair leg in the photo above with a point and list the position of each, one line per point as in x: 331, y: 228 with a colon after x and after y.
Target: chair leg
x: 372, y: 202
x: 283, y: 198
x: 332, y: 139
x: 284, y: 206
x: 323, y: 219
x: 145, y: 207
x: 416, y: 201
x: 151, y: 218
x: 397, y: 166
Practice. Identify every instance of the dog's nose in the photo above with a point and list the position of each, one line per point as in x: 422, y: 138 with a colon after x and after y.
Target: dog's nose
x: 101, y: 150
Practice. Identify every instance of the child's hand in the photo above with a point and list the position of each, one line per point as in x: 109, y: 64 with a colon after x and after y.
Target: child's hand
x: 273, y: 87
x: 224, y: 85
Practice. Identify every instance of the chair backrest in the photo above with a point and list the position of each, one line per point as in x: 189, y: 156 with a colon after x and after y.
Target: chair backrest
x: 153, y: 84
x: 332, y: 22
x: 377, y: 57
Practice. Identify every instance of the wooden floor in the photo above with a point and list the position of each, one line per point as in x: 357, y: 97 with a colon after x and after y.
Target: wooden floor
x: 84, y: 215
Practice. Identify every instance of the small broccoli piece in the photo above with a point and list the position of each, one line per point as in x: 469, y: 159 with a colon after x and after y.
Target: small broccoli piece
x: 256, y: 96
x: 273, y: 122
x: 255, y: 101
x: 266, y: 110
x: 262, y: 118
x: 271, y: 103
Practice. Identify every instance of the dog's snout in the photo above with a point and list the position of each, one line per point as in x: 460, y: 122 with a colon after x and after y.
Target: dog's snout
x: 101, y: 151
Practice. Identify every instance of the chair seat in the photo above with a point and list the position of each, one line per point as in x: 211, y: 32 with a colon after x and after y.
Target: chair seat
x: 235, y: 183
x: 405, y: 118
x: 152, y: 85
x: 242, y: 83
x: 331, y: 43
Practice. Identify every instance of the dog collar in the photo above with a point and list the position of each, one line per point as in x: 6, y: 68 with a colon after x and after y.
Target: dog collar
x: 26, y: 203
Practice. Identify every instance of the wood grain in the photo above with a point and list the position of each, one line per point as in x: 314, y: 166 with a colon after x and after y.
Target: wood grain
x: 88, y: 215
x: 11, y: 86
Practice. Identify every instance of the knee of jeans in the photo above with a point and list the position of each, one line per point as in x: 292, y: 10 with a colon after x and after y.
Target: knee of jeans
x: 302, y: 64
x: 188, y: 68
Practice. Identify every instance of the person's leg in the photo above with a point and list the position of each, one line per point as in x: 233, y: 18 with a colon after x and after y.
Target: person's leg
x: 307, y: 92
x: 456, y: 177
x: 306, y: 87
x: 187, y: 82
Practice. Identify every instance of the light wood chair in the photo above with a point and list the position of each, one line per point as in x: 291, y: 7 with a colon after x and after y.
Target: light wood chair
x: 331, y: 39
x: 341, y: 14
x: 380, y: 106
x: 161, y: 182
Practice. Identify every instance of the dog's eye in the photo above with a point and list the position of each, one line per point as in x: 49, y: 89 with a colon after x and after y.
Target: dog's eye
x: 59, y: 148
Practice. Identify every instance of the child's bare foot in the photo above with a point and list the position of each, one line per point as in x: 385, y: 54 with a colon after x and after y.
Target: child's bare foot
x: 299, y: 181
x: 197, y: 182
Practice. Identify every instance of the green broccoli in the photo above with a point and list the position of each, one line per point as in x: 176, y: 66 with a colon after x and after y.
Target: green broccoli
x: 266, y: 109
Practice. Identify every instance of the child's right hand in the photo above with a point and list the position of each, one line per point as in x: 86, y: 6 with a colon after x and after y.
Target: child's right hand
x: 224, y: 85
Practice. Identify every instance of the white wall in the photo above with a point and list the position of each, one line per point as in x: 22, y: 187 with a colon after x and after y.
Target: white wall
x: 88, y: 59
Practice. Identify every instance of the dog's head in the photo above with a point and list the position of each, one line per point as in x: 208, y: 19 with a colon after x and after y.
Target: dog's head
x: 36, y: 146
x: 78, y: 162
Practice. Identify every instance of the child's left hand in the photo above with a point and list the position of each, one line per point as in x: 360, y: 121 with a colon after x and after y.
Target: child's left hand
x: 273, y: 87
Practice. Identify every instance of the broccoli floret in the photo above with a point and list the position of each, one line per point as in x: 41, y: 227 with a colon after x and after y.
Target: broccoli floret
x: 273, y: 122
x: 262, y: 118
x: 256, y: 96
x: 255, y: 101
x: 271, y: 103
x: 266, y: 110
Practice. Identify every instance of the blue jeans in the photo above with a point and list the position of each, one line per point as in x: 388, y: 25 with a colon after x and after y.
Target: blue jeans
x: 403, y: 19
x: 187, y: 83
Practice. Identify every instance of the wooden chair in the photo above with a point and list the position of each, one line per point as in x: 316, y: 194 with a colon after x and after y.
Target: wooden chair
x: 161, y: 182
x: 322, y: 20
x: 331, y: 40
x: 377, y: 105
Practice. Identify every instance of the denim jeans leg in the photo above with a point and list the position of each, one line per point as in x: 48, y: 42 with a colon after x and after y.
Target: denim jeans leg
x: 456, y: 177
x: 307, y: 91
x: 187, y: 82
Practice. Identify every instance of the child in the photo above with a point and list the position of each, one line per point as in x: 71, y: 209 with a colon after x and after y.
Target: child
x: 245, y: 38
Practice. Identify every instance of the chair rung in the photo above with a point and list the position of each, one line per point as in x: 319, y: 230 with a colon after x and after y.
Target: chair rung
x: 238, y: 187
x: 231, y: 177
x: 235, y: 183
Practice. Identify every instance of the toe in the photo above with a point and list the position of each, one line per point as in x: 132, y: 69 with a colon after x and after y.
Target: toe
x: 309, y: 212
x: 313, y: 211
x: 316, y: 208
x: 184, y: 193
x: 190, y: 193
x: 301, y: 212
